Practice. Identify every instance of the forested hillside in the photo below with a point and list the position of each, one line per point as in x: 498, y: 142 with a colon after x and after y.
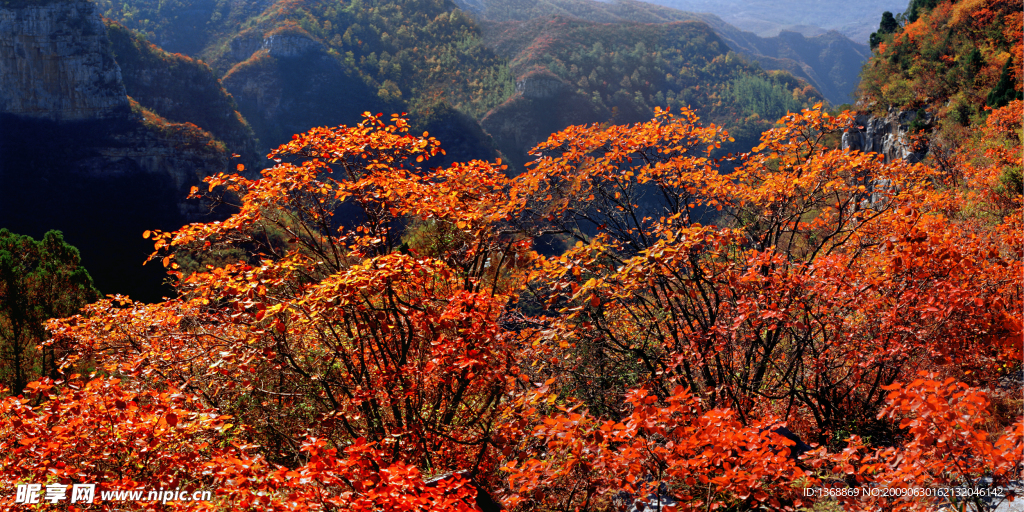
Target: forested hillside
x: 829, y: 61
x: 572, y: 72
x: 950, y: 64
x: 954, y: 59
x: 423, y: 57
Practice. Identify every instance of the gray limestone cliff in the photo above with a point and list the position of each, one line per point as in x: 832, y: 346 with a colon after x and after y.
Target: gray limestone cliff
x: 59, y: 77
x: 78, y: 155
x: 889, y: 134
x: 291, y: 45
x: 54, y: 63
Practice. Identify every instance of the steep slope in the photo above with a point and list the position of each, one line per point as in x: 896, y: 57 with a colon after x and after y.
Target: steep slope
x: 950, y: 59
x: 182, y: 26
x: 180, y: 89
x: 77, y: 153
x: 292, y: 84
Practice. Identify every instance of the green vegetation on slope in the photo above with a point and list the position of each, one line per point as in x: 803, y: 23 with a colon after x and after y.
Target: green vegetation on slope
x: 949, y: 58
x: 958, y: 61
x: 420, y: 52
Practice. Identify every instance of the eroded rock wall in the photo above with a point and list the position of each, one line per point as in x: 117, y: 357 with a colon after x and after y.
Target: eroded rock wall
x: 540, y: 87
x: 55, y: 63
x: 890, y: 135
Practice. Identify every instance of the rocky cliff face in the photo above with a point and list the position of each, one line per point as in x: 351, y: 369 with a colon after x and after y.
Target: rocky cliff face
x: 54, y: 63
x: 889, y: 135
x: 289, y: 45
x: 76, y: 154
x: 243, y: 46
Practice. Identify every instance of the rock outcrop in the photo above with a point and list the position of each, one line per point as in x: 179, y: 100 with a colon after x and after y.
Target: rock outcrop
x: 244, y: 45
x: 285, y: 42
x: 889, y: 135
x: 291, y: 45
x: 55, y: 63
x: 540, y: 86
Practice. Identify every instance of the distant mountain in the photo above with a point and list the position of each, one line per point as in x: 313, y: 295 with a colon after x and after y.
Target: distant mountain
x: 291, y: 65
x: 768, y: 18
x: 828, y: 60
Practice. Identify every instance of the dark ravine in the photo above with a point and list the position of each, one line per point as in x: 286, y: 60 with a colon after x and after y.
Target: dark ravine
x: 101, y: 182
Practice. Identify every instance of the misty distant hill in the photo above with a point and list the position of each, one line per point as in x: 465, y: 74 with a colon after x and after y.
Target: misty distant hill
x: 809, y: 17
